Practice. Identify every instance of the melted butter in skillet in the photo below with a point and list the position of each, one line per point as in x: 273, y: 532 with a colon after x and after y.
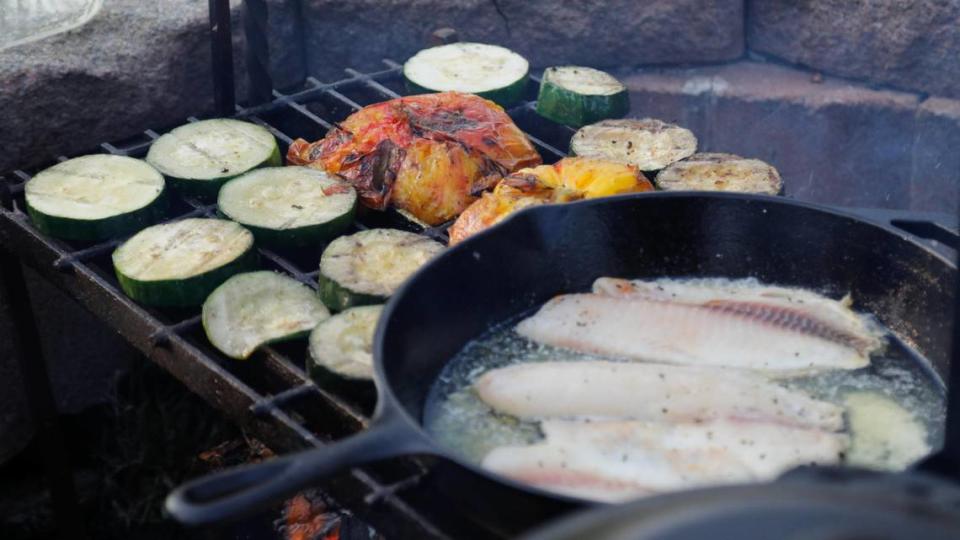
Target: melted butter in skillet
x: 894, y: 381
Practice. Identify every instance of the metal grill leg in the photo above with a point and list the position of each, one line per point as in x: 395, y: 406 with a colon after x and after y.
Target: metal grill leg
x: 43, y: 409
x: 221, y: 45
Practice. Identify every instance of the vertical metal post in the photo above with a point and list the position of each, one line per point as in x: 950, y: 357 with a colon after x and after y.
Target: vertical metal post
x: 43, y: 408
x: 221, y: 48
x: 257, y: 52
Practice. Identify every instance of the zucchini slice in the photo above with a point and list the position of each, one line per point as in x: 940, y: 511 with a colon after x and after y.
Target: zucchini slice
x: 489, y: 71
x: 200, y: 157
x: 720, y: 172
x: 577, y: 96
x: 252, y: 309
x: 181, y: 263
x: 368, y: 266
x: 290, y: 206
x: 650, y: 144
x: 343, y: 344
x: 95, y: 197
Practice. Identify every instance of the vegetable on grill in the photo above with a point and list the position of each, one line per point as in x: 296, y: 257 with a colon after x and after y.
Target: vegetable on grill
x: 289, y: 206
x: 199, y: 157
x: 429, y: 155
x: 95, y: 197
x: 720, y: 172
x: 577, y: 96
x: 489, y: 71
x: 569, y: 179
x: 181, y: 263
x: 368, y: 266
x: 343, y: 344
x: 255, y: 308
x: 650, y: 144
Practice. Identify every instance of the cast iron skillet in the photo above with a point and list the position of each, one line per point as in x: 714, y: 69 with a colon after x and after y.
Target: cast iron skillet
x: 549, y: 250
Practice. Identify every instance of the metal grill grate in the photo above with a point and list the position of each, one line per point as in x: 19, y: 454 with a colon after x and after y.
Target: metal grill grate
x: 271, y: 394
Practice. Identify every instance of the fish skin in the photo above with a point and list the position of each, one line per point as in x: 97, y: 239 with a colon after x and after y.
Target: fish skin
x: 769, y: 332
x: 604, y: 389
x: 618, y: 460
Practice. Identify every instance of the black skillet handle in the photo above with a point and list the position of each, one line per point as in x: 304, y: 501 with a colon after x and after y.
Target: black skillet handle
x: 940, y: 228
x: 236, y: 492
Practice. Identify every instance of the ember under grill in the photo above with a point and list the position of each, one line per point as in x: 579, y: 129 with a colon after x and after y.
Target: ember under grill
x: 272, y: 394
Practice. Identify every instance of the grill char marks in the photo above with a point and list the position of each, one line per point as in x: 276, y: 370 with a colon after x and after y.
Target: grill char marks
x: 791, y: 319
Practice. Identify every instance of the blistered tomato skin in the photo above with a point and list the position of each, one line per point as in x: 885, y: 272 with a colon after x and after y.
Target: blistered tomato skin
x: 430, y: 155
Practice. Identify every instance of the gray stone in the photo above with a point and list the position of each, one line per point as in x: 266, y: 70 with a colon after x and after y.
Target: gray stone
x: 136, y: 65
x: 936, y: 160
x: 605, y: 33
x: 833, y: 142
x: 912, y: 45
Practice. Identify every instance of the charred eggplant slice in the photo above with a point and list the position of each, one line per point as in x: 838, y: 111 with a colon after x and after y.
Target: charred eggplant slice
x: 650, y: 144
x: 720, y: 172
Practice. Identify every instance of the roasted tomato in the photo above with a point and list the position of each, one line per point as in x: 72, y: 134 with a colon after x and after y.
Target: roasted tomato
x: 569, y: 179
x: 430, y: 155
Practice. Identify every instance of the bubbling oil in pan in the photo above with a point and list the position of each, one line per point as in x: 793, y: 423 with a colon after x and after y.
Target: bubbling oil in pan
x: 895, y: 394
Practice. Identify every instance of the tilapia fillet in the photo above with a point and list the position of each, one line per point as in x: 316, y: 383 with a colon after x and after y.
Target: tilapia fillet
x: 657, y: 392
x: 619, y: 460
x: 737, y: 324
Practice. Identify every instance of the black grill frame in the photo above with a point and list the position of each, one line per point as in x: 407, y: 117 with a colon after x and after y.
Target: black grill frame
x: 271, y: 394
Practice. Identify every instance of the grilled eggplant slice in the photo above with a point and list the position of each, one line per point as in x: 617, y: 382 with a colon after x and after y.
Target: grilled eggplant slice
x: 181, y: 263
x: 198, y: 158
x: 577, y: 96
x: 256, y: 308
x: 650, y: 144
x: 489, y: 71
x: 569, y: 179
x: 95, y: 197
x: 428, y: 155
x: 720, y: 172
x: 343, y: 344
x: 367, y: 267
x: 290, y: 206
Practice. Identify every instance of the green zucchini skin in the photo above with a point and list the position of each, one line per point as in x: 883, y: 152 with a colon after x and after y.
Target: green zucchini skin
x: 207, y: 190
x: 312, y: 236
x: 186, y: 292
x: 505, y: 97
x: 569, y: 108
x: 338, y: 298
x: 96, y: 230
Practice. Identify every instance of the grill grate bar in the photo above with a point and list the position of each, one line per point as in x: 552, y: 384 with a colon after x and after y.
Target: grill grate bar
x: 288, y: 267
x: 383, y: 90
x: 277, y: 401
x: 69, y: 259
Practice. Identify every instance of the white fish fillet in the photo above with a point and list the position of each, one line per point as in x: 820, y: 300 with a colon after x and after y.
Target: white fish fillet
x: 739, y: 324
x: 619, y: 460
x: 601, y: 389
